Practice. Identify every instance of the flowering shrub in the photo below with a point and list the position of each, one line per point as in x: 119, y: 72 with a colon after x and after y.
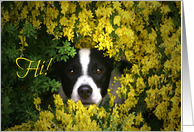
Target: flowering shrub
x: 147, y: 33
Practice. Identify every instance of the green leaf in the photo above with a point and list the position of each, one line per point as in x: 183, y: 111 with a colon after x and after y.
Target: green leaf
x: 5, y: 105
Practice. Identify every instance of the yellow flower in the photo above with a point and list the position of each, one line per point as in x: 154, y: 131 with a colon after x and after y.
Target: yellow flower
x: 145, y: 128
x: 36, y: 23
x: 24, y: 12
x: 141, y: 4
x: 166, y: 28
x: 135, y: 69
x: 64, y: 21
x: 138, y: 119
x: 114, y: 118
x: 69, y: 33
x: 108, y: 12
x: 117, y: 20
x: 140, y: 85
x: 165, y: 9
x: 122, y: 91
x: 128, y: 79
x: 112, y: 97
x: 127, y: 126
x: 128, y: 4
x: 102, y: 113
x: 98, y: 11
x: 6, y: 16
x: 58, y: 101
x: 67, y: 119
x: 83, y: 4
x: 23, y: 40
x: 51, y: 26
x: 72, y: 8
x: 161, y: 110
x: 146, y: 12
x: 64, y: 7
x: 117, y: 5
x: 129, y: 55
x: 71, y: 105
x: 153, y: 36
x: 127, y: 17
x: 109, y: 28
x: 151, y: 98
x: 72, y: 20
x: 35, y: 13
x: 178, y: 5
x: 37, y: 102
x: 154, y: 4
x: 92, y: 110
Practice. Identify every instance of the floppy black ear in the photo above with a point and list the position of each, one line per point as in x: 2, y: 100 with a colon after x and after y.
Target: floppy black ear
x: 122, y: 64
x: 117, y: 65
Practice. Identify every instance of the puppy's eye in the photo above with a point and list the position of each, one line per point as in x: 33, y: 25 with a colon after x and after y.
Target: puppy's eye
x: 71, y: 71
x: 98, y: 70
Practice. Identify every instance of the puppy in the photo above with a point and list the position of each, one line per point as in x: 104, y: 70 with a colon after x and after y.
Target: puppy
x: 87, y: 76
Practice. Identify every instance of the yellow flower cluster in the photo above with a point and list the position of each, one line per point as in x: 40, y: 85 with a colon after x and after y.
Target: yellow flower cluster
x: 124, y: 29
x: 37, y: 102
x: 76, y: 117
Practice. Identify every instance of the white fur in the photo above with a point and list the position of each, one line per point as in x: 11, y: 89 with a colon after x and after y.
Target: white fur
x: 84, y: 56
x: 86, y: 80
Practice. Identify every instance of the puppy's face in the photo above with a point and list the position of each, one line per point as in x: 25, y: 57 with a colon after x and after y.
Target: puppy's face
x: 86, y: 76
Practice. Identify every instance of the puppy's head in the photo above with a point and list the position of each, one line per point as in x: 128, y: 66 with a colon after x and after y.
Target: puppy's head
x: 86, y: 76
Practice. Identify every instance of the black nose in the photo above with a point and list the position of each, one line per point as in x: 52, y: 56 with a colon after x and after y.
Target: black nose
x: 85, y: 91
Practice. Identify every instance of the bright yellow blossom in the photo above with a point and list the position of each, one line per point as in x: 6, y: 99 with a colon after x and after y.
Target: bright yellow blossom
x: 58, y: 101
x: 6, y: 16
x: 117, y: 20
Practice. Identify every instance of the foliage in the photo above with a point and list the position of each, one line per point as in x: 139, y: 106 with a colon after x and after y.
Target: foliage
x: 147, y: 33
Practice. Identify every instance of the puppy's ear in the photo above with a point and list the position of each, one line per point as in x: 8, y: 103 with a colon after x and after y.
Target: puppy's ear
x: 117, y: 65
x: 122, y: 64
x: 125, y: 64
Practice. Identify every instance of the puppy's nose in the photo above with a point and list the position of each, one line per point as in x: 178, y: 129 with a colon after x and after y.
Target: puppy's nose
x: 85, y: 91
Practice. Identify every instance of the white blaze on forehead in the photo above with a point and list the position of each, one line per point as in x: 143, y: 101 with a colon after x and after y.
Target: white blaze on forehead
x: 84, y: 55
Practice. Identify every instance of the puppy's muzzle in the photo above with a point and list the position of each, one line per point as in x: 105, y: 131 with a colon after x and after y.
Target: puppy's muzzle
x: 85, y: 91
